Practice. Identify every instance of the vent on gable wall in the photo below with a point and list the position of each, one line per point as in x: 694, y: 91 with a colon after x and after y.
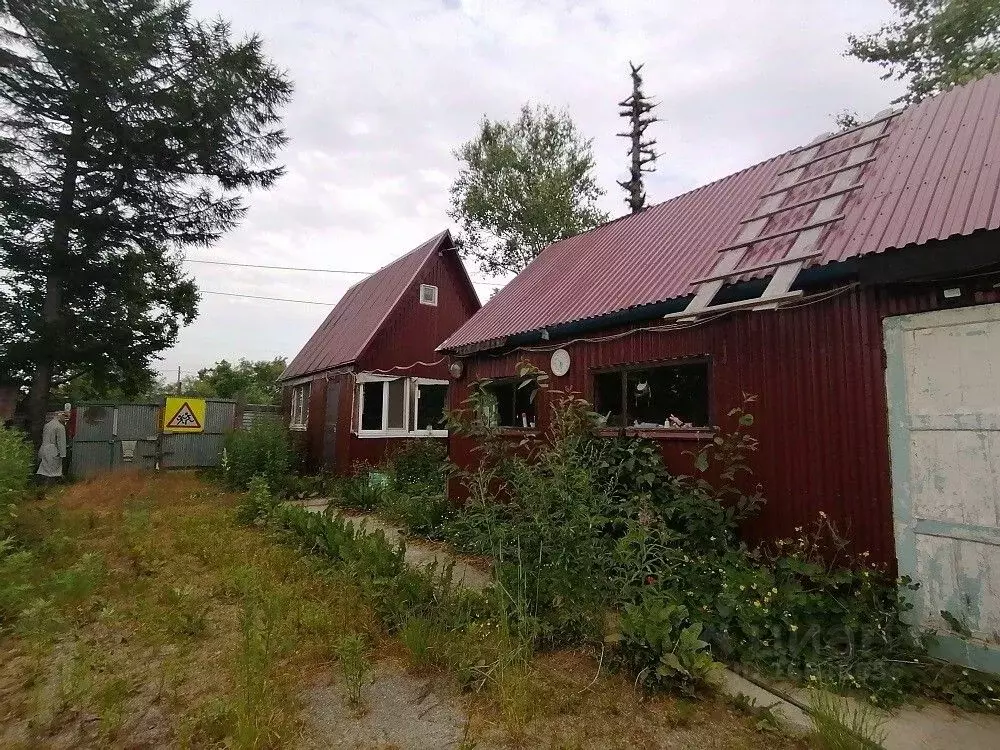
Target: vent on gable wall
x: 428, y: 294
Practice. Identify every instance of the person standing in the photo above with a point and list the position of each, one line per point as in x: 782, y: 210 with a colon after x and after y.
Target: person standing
x: 53, y: 448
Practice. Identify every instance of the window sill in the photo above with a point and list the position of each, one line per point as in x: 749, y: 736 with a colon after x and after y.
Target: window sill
x: 660, y: 433
x: 519, y: 430
x: 382, y: 434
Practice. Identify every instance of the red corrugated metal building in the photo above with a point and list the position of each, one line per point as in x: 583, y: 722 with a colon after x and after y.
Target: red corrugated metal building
x: 776, y: 281
x: 369, y: 376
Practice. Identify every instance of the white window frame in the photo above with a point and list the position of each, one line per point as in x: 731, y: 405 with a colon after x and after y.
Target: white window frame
x: 434, y: 290
x: 299, y: 417
x: 417, y: 382
x: 411, y: 388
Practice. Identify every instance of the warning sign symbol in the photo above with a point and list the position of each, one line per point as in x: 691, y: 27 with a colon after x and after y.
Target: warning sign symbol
x: 184, y: 415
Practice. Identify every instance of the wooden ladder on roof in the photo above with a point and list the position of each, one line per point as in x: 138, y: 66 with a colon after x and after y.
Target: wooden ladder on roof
x: 827, y: 210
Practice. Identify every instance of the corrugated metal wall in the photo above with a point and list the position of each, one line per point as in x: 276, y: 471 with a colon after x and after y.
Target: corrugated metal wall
x: 821, y: 412
x: 100, y: 429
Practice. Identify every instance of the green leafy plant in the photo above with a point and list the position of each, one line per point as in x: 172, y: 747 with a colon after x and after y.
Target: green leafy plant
x: 842, y: 724
x: 355, y: 666
x: 16, y: 463
x: 257, y: 502
x: 661, y: 642
x: 262, y: 451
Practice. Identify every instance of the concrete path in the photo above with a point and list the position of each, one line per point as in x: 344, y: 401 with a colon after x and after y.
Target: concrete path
x: 931, y: 727
x: 420, y: 553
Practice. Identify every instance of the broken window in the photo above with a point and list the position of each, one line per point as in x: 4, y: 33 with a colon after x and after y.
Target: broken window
x: 300, y: 406
x: 514, y: 402
x: 672, y: 396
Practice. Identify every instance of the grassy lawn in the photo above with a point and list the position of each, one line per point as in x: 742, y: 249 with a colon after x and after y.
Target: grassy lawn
x: 138, y: 613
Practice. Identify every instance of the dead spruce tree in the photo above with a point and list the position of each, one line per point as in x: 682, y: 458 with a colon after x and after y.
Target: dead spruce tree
x: 638, y: 108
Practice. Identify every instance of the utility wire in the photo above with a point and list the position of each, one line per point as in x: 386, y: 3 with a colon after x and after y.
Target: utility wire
x: 310, y: 270
x: 273, y: 299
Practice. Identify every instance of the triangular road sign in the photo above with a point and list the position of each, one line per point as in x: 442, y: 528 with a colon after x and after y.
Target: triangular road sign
x: 184, y: 419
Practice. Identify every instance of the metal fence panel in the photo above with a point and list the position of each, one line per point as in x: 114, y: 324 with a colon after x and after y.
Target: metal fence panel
x: 105, y: 433
x: 193, y: 451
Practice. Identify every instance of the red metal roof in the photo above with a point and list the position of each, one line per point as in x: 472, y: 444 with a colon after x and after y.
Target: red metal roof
x: 360, y: 313
x: 933, y: 175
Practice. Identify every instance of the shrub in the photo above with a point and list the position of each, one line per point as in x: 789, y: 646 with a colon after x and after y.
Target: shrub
x: 16, y: 463
x: 419, y: 466
x: 661, y: 642
x: 365, y: 489
x: 257, y: 503
x: 263, y: 450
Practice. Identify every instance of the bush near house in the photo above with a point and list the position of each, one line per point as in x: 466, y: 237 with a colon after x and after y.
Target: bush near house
x: 595, y: 542
x: 264, y: 450
x: 409, y: 487
x: 16, y: 464
x: 588, y: 527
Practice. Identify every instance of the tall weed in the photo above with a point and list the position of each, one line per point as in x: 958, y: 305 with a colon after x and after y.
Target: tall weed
x: 264, y: 450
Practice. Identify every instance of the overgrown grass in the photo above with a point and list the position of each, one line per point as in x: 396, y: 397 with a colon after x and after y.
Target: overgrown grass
x: 163, y: 599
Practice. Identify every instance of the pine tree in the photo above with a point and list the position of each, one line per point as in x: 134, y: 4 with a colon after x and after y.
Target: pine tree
x: 127, y: 132
x: 637, y: 108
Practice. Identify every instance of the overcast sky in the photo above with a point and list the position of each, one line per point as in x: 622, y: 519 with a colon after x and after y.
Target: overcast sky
x: 385, y: 90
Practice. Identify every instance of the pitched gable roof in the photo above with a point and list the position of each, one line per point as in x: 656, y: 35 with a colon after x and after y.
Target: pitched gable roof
x: 360, y: 313
x: 933, y: 173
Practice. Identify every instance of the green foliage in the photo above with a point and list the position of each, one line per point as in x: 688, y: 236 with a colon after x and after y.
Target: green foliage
x: 250, y: 382
x: 580, y: 526
x: 840, y: 725
x: 128, y: 131
x: 365, y: 489
x: 262, y: 451
x: 354, y: 663
x: 16, y: 464
x: 521, y: 186
x: 257, y: 502
x: 934, y: 44
x: 661, y: 642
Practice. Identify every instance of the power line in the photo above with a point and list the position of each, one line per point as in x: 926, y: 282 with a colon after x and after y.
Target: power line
x: 309, y: 270
x: 273, y: 299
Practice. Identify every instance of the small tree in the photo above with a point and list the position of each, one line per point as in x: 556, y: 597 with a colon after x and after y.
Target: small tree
x: 637, y: 109
x: 127, y: 131
x: 523, y: 185
x: 934, y: 44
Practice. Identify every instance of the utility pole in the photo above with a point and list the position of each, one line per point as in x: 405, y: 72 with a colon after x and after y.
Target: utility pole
x: 637, y: 108
x: 178, y: 380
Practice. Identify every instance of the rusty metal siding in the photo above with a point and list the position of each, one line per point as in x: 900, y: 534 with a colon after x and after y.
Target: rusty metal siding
x: 821, y: 412
x: 935, y: 175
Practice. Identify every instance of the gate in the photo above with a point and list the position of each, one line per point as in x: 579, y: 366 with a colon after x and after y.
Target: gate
x: 943, y: 384
x: 200, y: 449
x: 109, y: 436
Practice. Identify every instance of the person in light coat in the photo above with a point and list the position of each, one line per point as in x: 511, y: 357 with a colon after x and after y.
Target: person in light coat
x: 53, y: 448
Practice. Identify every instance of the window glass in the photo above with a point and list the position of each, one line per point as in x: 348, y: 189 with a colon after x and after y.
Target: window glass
x: 670, y: 396
x: 608, y: 398
x: 396, y: 409
x: 515, y: 402
x: 429, y: 407
x: 371, y: 409
x: 300, y: 404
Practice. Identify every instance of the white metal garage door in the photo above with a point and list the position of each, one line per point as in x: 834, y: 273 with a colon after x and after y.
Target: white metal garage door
x: 943, y: 384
